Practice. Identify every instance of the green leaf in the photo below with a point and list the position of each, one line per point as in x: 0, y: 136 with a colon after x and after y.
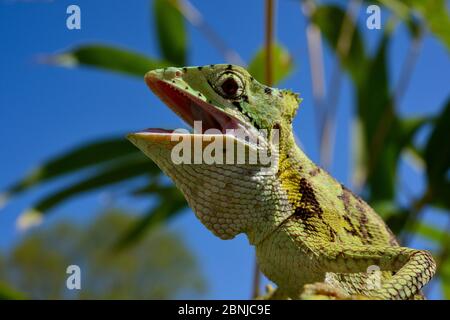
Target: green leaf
x: 441, y: 196
x: 433, y: 12
x: 444, y: 272
x: 82, y: 157
x: 329, y: 18
x: 383, y: 135
x: 402, y: 11
x: 112, y: 174
x: 401, y: 220
x: 378, y: 120
x: 408, y: 127
x: 396, y: 6
x: 170, y: 28
x: 7, y: 293
x: 109, y: 58
x: 394, y: 216
x: 432, y: 233
x: 416, y: 155
x: 282, y: 64
x: 170, y: 204
x: 359, y: 153
x: 436, y: 17
x: 437, y: 150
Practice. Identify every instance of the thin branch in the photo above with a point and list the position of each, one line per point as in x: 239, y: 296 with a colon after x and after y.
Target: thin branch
x: 256, y: 280
x: 408, y: 67
x: 193, y: 15
x: 270, y: 12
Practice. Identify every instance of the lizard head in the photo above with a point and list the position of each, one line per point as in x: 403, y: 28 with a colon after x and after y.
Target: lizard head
x: 223, y: 97
x: 221, y: 102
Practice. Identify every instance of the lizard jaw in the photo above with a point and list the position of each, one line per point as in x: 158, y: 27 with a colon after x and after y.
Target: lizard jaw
x: 192, y: 108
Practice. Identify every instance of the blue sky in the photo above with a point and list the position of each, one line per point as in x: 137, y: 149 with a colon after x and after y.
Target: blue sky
x: 46, y: 110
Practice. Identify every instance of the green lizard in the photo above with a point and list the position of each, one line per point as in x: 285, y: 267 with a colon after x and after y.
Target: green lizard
x: 314, y: 238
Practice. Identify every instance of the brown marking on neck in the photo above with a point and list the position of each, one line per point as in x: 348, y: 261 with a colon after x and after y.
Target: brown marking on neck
x: 309, y: 212
x: 357, y: 211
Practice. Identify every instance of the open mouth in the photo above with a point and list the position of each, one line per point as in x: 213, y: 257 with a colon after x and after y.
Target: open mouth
x: 191, y: 109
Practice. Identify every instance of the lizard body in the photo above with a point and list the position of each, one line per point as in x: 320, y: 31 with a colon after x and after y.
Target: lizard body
x: 314, y: 238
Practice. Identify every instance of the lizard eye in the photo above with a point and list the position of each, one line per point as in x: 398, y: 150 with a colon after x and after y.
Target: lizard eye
x: 229, y: 86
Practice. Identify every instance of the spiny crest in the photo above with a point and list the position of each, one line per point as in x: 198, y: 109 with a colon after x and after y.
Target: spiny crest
x: 291, y: 103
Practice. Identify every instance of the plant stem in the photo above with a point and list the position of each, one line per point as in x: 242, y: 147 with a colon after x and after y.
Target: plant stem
x: 256, y: 280
x: 269, y: 42
x: 270, y: 13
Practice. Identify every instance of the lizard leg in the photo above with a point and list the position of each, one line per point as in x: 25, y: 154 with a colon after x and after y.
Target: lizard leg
x: 412, y: 268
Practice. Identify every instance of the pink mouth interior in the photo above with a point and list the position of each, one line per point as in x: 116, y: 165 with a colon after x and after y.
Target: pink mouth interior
x: 191, y: 108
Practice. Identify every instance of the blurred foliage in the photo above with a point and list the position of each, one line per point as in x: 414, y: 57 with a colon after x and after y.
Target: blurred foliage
x: 282, y: 64
x: 328, y: 18
x: 108, y: 58
x: 158, y: 267
x: 381, y: 134
x: 433, y: 15
x: 170, y: 27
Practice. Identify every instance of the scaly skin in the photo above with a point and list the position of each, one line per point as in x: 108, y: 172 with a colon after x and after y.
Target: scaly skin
x: 314, y: 238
